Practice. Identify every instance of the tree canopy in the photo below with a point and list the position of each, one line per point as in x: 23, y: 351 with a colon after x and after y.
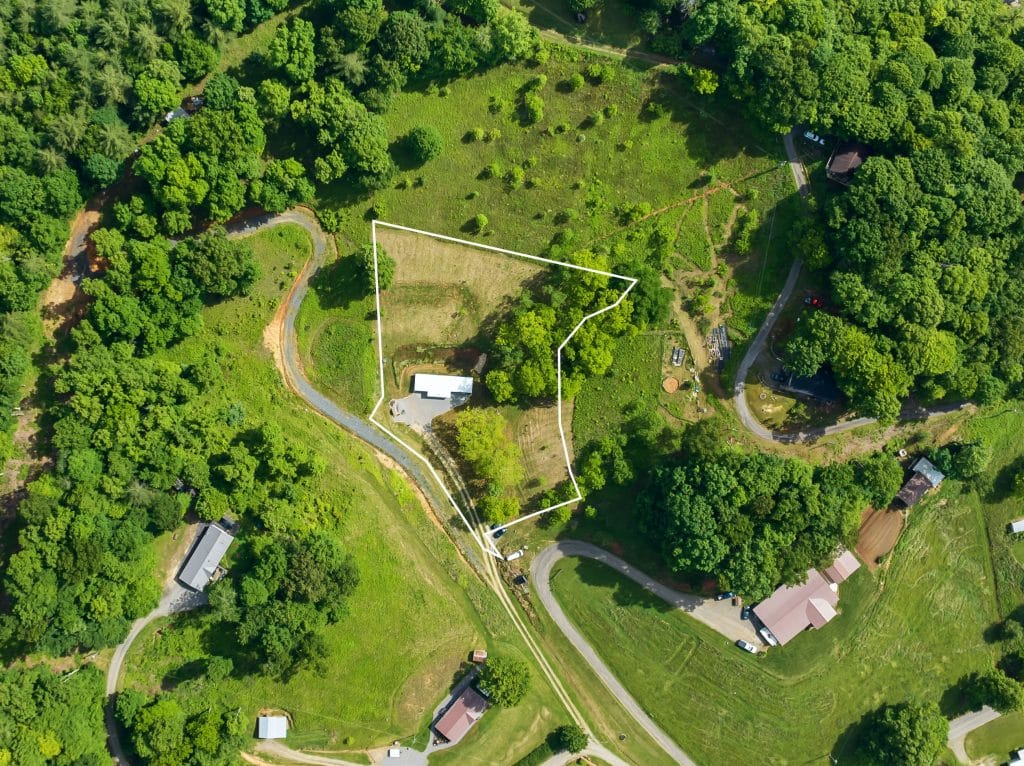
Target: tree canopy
x: 505, y: 680
x: 754, y: 521
x: 909, y: 733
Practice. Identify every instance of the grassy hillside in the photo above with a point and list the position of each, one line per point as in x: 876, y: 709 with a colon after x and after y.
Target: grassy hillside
x: 418, y: 610
x: 910, y: 633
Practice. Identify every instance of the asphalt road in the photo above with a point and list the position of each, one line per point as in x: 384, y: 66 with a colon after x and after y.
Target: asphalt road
x: 960, y: 727
x: 540, y: 572
x: 750, y: 422
x: 296, y: 377
x: 297, y: 381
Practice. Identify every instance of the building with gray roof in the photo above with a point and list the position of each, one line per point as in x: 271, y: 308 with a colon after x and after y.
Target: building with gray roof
x: 204, y: 559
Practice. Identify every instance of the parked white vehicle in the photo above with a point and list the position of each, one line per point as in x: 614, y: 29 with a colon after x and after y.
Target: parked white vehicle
x: 517, y: 555
x: 769, y: 639
x: 814, y: 138
x: 746, y: 646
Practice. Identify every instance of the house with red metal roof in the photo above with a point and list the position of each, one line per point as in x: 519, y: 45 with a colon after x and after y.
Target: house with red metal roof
x: 792, y: 609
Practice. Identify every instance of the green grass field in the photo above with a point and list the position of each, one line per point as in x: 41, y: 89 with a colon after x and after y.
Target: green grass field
x: 692, y: 241
x: 1001, y: 429
x: 912, y: 633
x: 996, y: 740
x: 633, y: 381
x: 418, y: 610
x: 336, y: 339
x: 720, y: 212
x: 586, y: 171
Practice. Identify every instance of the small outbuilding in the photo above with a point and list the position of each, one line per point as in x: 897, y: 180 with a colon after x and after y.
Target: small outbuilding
x: 1018, y: 758
x: 479, y: 655
x: 175, y: 114
x: 845, y: 160
x: 453, y: 387
x: 394, y: 752
x: 926, y: 468
x: 203, y: 561
x: 844, y: 566
x: 1017, y: 527
x: 924, y: 477
x: 272, y: 727
x: 465, y: 711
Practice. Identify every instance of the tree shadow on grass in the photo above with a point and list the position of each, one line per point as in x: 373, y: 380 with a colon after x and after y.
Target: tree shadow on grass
x: 623, y: 592
x: 1002, y: 483
x: 338, y: 284
x: 849, y: 744
x: 190, y: 671
x: 954, y: 701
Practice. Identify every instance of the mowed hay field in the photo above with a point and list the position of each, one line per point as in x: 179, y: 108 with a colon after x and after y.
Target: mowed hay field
x: 443, y: 291
x: 535, y: 430
x: 418, y: 609
x: 908, y: 632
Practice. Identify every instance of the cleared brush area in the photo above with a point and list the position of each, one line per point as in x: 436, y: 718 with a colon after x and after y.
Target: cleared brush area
x: 536, y: 432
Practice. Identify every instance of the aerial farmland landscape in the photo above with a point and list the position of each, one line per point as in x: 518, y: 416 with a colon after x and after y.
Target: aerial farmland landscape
x: 519, y: 383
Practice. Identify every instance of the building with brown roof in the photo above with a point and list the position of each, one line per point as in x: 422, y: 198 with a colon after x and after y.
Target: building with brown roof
x: 845, y: 159
x: 925, y: 477
x: 461, y: 715
x: 792, y: 609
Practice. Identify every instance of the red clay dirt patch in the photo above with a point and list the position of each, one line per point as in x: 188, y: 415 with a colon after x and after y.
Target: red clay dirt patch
x: 879, y: 531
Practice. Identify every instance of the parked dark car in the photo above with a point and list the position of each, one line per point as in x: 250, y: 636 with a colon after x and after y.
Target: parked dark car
x: 724, y: 596
x: 498, y: 533
x: 745, y: 612
x: 519, y: 580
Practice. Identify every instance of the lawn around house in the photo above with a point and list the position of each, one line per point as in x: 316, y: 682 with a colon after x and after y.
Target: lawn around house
x: 997, y: 739
x: 418, y: 609
x: 909, y: 632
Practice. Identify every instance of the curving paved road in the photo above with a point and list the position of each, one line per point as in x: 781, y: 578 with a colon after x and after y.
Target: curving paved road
x: 795, y: 164
x: 540, y: 572
x: 296, y: 380
x: 175, y: 598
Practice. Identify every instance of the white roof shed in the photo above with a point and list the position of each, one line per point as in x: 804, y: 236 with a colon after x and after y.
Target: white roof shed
x: 1017, y: 526
x: 441, y: 386
x: 205, y: 557
x: 272, y: 727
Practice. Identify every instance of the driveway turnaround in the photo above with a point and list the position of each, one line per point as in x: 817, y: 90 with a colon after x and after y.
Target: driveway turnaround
x: 175, y: 598
x: 541, y: 576
x: 960, y: 727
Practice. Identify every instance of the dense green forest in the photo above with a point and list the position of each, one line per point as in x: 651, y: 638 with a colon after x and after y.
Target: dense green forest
x: 140, y: 441
x: 753, y: 521
x: 47, y: 717
x: 922, y: 252
x: 922, y: 255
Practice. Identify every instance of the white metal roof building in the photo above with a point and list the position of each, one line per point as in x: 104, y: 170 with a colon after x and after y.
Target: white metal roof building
x: 1017, y: 526
x: 926, y: 468
x: 272, y: 727
x: 442, y: 386
x: 205, y: 557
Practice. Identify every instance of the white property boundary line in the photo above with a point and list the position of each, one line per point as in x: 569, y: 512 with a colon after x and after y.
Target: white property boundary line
x: 485, y: 541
